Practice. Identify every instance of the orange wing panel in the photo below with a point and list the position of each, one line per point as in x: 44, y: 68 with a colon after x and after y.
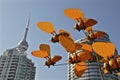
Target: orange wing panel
x: 104, y: 49
x: 84, y: 55
x: 74, y: 13
x: 79, y: 68
x: 83, y: 46
x: 89, y: 22
x: 97, y: 34
x: 78, y: 73
x: 40, y: 53
x: 56, y: 58
x: 67, y: 43
x: 46, y: 26
x: 45, y: 47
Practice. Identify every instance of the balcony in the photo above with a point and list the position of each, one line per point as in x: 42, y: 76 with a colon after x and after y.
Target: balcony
x: 12, y: 72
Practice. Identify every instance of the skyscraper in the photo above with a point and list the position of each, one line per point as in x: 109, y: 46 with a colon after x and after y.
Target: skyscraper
x: 14, y: 64
x: 93, y: 70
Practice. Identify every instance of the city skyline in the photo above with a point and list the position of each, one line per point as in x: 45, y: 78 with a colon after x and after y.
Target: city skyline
x: 13, y: 18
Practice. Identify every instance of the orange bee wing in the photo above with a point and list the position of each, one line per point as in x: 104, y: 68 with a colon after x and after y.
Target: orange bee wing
x: 104, y: 49
x: 74, y: 13
x: 67, y: 43
x: 79, y: 68
x: 46, y: 26
x: 40, y: 53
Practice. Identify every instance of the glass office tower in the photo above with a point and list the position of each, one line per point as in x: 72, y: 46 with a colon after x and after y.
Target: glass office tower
x: 14, y: 64
x: 93, y: 70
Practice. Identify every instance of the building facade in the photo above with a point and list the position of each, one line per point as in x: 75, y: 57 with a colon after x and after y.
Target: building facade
x: 93, y: 71
x: 14, y: 64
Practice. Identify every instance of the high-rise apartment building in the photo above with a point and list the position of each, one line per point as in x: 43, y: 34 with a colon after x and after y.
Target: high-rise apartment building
x: 14, y: 64
x: 93, y: 70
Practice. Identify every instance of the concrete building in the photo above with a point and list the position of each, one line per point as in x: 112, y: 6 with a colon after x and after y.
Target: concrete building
x: 14, y: 64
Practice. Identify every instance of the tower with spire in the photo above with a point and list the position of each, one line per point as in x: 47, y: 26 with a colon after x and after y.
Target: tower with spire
x: 23, y: 44
x: 14, y: 64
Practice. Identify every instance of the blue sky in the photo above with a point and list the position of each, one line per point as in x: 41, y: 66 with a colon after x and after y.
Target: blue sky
x: 14, y: 14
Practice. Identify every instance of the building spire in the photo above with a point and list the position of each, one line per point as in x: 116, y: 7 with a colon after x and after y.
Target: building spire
x: 23, y: 44
x: 27, y: 28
